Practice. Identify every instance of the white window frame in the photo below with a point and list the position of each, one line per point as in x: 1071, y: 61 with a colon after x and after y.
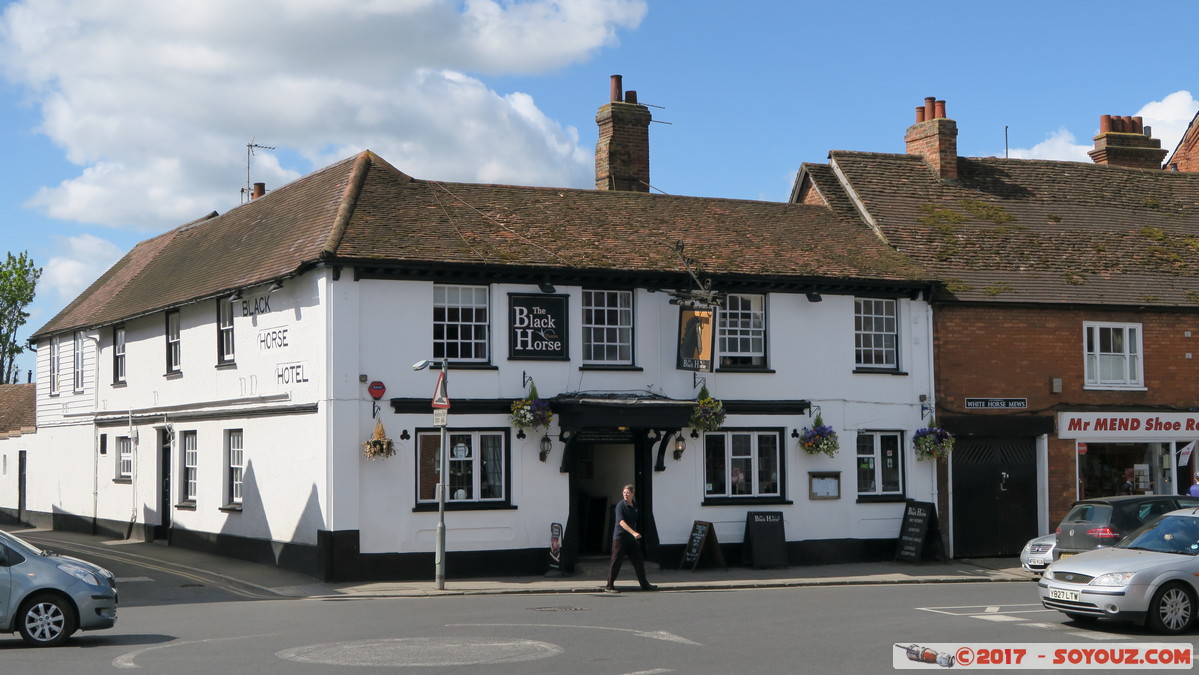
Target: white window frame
x: 462, y: 323
x: 876, y: 333
x: 77, y: 362
x: 879, y: 447
x: 118, y: 353
x: 1099, y: 361
x: 738, y: 452
x: 124, y: 457
x: 174, y: 343
x: 190, y: 460
x: 477, y: 458
x: 225, y: 344
x: 607, y: 327
x: 55, y: 365
x: 741, y: 331
x: 235, y: 466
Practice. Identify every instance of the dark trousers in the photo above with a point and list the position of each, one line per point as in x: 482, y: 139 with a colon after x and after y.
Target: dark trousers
x: 621, y: 546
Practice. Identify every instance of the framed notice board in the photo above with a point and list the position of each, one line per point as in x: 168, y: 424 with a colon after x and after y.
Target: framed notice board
x: 765, y: 543
x: 919, y: 531
x: 701, y: 540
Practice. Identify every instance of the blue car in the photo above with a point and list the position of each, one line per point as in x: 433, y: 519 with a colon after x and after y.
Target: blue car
x: 47, y: 597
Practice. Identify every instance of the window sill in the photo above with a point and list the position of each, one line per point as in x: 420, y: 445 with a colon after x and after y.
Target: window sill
x: 615, y: 366
x: 226, y: 365
x: 878, y: 371
x: 740, y: 501
x: 186, y: 506
x: 744, y: 369
x: 1115, y: 387
x: 881, y: 499
x: 455, y: 365
x: 120, y: 385
x: 123, y: 481
x: 173, y: 375
x: 231, y: 508
x: 424, y: 507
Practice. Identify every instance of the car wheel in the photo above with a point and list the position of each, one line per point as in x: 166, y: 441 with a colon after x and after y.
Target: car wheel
x: 1081, y: 618
x: 1172, y: 610
x: 46, y: 621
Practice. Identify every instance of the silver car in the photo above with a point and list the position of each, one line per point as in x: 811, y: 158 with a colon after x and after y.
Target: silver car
x: 1038, y: 553
x: 47, y: 597
x: 1150, y: 577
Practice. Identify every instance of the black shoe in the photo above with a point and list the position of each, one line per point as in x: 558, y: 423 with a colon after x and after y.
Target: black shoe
x: 649, y: 587
x: 609, y: 589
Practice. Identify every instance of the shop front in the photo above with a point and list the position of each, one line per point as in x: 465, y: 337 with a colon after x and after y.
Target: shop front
x: 1131, y: 452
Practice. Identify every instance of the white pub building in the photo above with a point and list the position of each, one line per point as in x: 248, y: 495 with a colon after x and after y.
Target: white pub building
x: 218, y: 386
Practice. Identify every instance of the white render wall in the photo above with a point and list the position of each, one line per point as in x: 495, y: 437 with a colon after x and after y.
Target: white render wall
x: 810, y: 348
x: 279, y: 366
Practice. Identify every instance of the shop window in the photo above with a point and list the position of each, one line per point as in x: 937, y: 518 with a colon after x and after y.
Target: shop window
x: 742, y: 464
x: 1113, y: 356
x: 478, y: 464
x: 880, y: 464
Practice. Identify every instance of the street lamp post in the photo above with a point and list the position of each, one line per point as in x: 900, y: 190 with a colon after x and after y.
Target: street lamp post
x: 442, y: 421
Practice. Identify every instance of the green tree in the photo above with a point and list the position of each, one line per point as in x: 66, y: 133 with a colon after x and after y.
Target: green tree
x: 18, y: 280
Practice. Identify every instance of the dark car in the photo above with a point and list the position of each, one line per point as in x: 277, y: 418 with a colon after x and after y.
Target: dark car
x: 1104, y: 521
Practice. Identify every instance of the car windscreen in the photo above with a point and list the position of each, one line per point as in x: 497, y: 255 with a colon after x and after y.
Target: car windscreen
x: 1168, y: 534
x: 15, y: 542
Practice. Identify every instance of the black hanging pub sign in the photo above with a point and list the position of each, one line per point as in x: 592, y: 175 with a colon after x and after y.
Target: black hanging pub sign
x: 537, y: 327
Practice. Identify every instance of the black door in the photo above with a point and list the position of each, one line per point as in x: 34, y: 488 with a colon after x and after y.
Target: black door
x: 994, y: 496
x: 162, y: 530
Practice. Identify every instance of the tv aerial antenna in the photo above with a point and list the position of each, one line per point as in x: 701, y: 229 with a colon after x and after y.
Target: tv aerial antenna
x: 248, y: 190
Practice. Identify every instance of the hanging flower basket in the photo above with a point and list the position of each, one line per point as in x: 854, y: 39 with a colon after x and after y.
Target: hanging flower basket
x: 379, y: 446
x: 532, y: 412
x: 820, y: 439
x: 932, y: 442
x: 708, y: 413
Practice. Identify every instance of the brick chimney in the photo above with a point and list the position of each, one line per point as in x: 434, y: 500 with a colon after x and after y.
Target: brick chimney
x: 1125, y: 141
x: 935, y: 138
x: 622, y: 151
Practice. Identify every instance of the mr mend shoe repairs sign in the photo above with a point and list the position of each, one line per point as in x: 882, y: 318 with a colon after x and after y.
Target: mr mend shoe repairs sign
x: 1128, y: 426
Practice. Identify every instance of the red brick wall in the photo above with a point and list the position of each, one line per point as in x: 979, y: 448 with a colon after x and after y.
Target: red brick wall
x: 997, y: 351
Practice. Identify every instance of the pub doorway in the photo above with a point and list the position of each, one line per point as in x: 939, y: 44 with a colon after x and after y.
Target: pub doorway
x: 601, y: 472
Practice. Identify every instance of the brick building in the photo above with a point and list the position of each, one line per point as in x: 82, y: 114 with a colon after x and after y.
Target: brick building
x: 1067, y: 329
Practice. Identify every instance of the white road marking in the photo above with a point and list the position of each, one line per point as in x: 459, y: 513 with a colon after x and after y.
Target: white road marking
x: 653, y: 635
x: 415, y: 652
x: 126, y: 660
x: 129, y: 580
x: 997, y: 617
x: 655, y: 671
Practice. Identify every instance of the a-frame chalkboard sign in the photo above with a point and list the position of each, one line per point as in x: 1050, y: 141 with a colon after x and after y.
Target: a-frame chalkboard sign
x: 765, y: 543
x: 701, y: 540
x: 918, y: 532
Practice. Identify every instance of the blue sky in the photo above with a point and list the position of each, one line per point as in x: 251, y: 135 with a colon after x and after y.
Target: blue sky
x: 120, y: 119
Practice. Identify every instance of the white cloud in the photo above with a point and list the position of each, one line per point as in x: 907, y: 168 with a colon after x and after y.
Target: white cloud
x: 1058, y: 145
x: 1170, y: 116
x: 155, y: 101
x: 81, y: 261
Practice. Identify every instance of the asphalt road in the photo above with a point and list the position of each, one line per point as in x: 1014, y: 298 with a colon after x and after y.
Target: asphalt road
x: 845, y: 629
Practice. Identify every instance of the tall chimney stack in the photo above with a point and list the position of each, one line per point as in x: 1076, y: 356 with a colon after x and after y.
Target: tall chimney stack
x: 935, y: 138
x: 1125, y: 141
x: 622, y: 151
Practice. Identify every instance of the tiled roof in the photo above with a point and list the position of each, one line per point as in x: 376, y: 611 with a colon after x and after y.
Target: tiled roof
x: 17, y: 409
x: 1016, y: 230
x: 362, y: 211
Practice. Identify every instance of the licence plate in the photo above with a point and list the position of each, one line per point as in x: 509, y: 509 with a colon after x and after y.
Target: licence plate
x: 1036, y: 561
x: 1060, y: 594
